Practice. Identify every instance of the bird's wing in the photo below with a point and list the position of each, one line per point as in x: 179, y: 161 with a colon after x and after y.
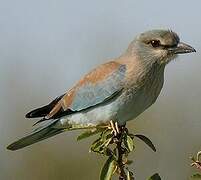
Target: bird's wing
x: 43, y: 111
x: 98, y: 86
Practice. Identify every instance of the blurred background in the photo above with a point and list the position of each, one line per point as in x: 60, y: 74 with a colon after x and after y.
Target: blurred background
x: 46, y: 46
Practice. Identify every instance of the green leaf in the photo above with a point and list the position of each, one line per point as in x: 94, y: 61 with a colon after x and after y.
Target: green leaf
x: 100, y: 145
x: 146, y: 140
x: 97, y: 146
x: 109, y: 152
x: 106, y: 134
x: 128, y: 142
x: 108, y: 169
x: 155, y: 177
x: 131, y: 135
x: 88, y: 133
x: 196, y: 176
x: 129, y: 175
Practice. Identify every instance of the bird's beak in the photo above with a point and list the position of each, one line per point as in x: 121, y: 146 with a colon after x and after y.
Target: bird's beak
x: 182, y: 48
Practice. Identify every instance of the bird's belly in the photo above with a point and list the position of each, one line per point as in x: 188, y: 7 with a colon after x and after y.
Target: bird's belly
x: 133, y: 107
x: 136, y: 102
x: 124, y: 108
x: 100, y: 114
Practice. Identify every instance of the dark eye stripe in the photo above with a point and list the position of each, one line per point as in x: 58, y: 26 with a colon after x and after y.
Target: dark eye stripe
x: 157, y: 44
x: 168, y: 46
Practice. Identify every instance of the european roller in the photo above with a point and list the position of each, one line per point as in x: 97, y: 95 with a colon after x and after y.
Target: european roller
x: 114, y: 92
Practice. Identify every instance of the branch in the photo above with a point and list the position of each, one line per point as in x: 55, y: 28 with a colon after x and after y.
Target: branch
x: 121, y: 151
x: 116, y: 147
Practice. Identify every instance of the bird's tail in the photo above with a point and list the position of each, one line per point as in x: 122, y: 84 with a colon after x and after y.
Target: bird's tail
x: 37, y: 135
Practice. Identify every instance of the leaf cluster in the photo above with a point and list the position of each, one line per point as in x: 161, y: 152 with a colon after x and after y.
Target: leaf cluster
x: 116, y: 149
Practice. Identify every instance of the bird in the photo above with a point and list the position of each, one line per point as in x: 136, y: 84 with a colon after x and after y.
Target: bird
x: 114, y: 92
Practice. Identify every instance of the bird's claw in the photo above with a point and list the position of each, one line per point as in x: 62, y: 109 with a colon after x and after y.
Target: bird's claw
x: 196, y: 162
x: 115, y: 128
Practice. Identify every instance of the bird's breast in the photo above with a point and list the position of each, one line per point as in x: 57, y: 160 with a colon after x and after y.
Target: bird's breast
x: 140, y: 95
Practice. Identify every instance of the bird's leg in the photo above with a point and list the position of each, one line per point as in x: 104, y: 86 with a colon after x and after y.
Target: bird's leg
x: 117, y: 128
x: 114, y: 127
x: 196, y: 162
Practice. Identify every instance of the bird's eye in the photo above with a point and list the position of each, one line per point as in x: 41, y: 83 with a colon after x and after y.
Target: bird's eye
x: 155, y: 43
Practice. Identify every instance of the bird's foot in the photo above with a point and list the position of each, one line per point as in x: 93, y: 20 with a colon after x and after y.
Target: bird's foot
x: 196, y: 162
x: 114, y: 127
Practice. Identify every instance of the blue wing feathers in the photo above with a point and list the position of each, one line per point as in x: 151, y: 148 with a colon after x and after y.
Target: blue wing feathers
x: 91, y: 95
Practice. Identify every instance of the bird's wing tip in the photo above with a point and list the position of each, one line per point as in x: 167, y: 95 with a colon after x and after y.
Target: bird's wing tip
x: 11, y: 147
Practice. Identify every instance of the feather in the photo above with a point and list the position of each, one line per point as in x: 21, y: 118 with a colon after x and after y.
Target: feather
x: 43, y: 111
x: 42, y: 133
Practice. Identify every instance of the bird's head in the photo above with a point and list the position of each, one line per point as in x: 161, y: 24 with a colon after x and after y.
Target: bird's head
x: 159, y: 45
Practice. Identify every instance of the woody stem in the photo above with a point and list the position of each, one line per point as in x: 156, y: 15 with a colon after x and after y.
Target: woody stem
x: 120, y: 150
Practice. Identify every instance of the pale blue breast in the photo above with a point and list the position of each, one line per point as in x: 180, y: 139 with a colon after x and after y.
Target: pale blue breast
x: 137, y: 100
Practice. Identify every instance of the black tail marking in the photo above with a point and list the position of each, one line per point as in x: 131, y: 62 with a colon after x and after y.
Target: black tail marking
x: 43, y: 111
